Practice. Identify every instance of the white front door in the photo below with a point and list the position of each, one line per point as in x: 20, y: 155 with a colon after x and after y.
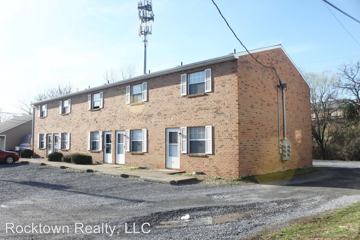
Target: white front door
x: 49, y: 142
x: 172, y: 148
x: 107, y: 147
x: 120, y: 147
x: 56, y: 142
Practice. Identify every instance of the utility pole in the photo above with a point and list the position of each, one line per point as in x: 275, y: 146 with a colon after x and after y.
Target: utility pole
x: 146, y: 17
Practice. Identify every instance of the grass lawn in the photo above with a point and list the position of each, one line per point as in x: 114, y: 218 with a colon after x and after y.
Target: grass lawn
x: 340, y: 224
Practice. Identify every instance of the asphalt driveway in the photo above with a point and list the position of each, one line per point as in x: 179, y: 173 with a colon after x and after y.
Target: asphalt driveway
x: 39, y: 196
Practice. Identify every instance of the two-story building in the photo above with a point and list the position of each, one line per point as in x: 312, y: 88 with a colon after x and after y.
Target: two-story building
x: 221, y: 116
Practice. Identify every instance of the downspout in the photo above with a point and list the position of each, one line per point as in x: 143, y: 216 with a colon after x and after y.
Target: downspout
x: 283, y: 90
x: 285, y: 145
x: 33, y: 129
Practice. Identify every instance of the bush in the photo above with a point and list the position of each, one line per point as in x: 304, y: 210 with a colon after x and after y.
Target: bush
x: 67, y: 158
x: 55, y: 157
x: 26, y: 153
x: 79, y: 158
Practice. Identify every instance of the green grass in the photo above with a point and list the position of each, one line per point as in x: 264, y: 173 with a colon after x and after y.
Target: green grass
x: 340, y: 224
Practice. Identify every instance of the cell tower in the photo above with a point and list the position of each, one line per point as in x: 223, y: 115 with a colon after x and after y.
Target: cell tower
x: 146, y: 16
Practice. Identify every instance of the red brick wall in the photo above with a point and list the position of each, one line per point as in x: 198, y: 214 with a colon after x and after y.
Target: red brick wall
x: 242, y: 109
x: 259, y: 103
x: 165, y: 109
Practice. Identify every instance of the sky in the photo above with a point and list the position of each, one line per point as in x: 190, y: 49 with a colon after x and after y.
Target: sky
x: 44, y: 43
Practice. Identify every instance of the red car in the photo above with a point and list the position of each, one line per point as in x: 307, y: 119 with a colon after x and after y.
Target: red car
x: 8, y: 157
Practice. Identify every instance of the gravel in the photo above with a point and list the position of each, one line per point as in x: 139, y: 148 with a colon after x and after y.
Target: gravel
x: 34, y: 194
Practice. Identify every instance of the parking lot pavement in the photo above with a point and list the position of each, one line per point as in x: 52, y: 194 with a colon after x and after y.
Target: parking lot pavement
x: 31, y: 195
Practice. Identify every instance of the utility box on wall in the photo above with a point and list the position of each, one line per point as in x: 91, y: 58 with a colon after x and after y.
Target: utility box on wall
x: 285, y: 149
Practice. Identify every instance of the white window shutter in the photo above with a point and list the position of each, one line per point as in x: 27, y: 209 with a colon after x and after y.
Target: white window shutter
x: 208, y: 87
x: 39, y: 111
x: 69, y: 105
x: 38, y: 142
x: 127, y: 95
x: 101, y: 140
x: 101, y: 99
x: 183, y: 131
x: 127, y: 140
x: 89, y: 102
x: 183, y: 85
x: 89, y: 141
x: 45, y: 110
x: 69, y: 141
x: 144, y: 143
x: 209, y: 140
x: 45, y: 141
x: 60, y: 142
x: 60, y: 107
x: 144, y: 91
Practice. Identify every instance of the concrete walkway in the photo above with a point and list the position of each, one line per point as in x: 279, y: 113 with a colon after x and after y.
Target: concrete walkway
x: 160, y: 175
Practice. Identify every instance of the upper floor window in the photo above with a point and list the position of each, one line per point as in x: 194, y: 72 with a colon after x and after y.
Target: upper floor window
x: 43, y: 111
x: 94, y: 141
x: 65, y: 106
x: 136, y: 93
x: 196, y: 83
x: 96, y: 101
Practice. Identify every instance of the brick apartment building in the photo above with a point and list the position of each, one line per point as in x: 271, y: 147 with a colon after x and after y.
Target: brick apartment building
x: 220, y: 116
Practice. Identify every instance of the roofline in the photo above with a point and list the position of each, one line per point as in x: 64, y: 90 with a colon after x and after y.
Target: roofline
x: 16, y: 126
x: 229, y: 57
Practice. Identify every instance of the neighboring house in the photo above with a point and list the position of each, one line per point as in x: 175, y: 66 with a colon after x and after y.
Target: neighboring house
x: 220, y: 116
x: 336, y: 110
x: 16, y: 132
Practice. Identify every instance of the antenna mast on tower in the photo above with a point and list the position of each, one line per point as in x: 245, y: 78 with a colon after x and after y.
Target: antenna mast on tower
x: 146, y: 17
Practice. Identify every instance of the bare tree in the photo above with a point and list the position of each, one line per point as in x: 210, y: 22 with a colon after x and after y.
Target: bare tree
x: 323, y: 91
x: 60, y: 90
x: 111, y: 76
x: 350, y: 84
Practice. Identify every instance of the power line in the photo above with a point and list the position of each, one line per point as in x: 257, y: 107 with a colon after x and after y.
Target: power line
x: 343, y: 12
x: 243, y: 45
x: 343, y: 26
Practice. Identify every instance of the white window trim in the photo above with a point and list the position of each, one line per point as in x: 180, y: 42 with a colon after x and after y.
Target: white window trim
x: 45, y: 111
x: 61, y: 107
x: 198, y: 140
x: 144, y: 140
x: 185, y: 140
x: 91, y: 101
x: 90, y: 142
x: 40, y: 140
x: 185, y: 82
x: 144, y: 93
x: 67, y: 145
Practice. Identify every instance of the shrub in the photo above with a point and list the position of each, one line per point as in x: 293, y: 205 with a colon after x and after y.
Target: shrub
x: 67, y: 158
x: 55, y: 157
x: 26, y: 153
x: 79, y: 158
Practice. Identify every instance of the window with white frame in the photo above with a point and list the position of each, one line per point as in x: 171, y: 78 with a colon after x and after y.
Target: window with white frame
x: 43, y: 110
x: 41, y: 141
x: 96, y: 101
x: 197, y: 140
x: 137, y: 138
x: 65, y: 106
x: 65, y: 141
x: 196, y: 83
x: 95, y: 143
x: 137, y: 93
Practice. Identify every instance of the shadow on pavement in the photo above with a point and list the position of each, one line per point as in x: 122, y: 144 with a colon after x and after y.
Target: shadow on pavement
x: 320, y: 176
x: 64, y: 188
x: 16, y: 164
